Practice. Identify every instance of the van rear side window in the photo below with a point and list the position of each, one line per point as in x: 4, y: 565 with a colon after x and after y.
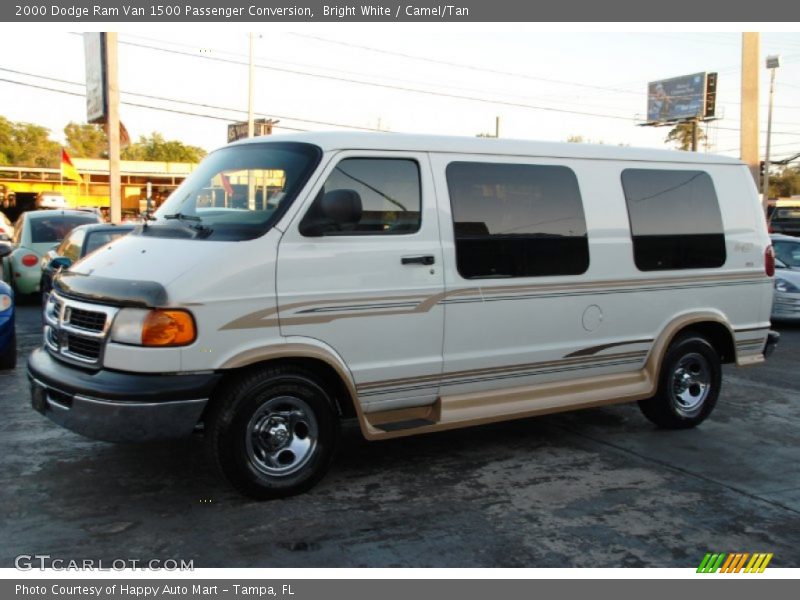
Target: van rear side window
x: 513, y: 220
x: 675, y: 219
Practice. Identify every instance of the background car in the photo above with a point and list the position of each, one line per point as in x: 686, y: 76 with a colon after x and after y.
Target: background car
x: 787, y: 250
x: 51, y: 200
x: 6, y: 227
x: 8, y: 338
x: 81, y: 241
x: 35, y: 233
x: 786, y: 301
x: 785, y: 220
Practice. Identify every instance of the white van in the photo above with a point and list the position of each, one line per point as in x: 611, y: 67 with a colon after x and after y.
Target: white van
x: 414, y: 283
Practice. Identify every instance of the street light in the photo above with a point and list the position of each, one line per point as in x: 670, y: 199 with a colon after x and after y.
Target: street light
x: 773, y: 62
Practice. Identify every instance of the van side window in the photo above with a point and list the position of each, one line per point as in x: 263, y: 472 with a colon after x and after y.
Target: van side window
x: 675, y: 219
x: 513, y: 220
x: 367, y: 196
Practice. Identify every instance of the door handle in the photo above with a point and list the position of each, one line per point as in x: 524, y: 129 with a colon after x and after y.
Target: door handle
x: 418, y: 260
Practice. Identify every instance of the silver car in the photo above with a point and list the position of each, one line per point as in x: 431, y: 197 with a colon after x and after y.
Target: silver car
x: 786, y: 302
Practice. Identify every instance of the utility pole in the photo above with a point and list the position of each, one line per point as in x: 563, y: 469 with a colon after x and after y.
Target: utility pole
x: 749, y: 116
x: 497, y: 127
x: 112, y: 66
x: 250, y: 91
x: 773, y: 62
x: 695, y: 134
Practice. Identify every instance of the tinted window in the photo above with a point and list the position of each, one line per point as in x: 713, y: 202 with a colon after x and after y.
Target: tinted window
x: 381, y: 195
x: 675, y: 219
x: 98, y: 239
x: 54, y: 229
x: 788, y: 253
x: 71, y: 246
x: 517, y: 220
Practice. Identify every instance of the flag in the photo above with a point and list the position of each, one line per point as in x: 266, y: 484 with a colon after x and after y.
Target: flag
x: 226, y: 183
x: 68, y: 170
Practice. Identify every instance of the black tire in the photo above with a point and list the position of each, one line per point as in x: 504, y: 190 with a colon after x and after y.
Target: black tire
x: 298, y: 426
x: 689, y: 384
x: 8, y: 358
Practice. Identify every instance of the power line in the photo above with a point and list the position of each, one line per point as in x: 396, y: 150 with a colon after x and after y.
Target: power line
x: 462, y: 65
x: 198, y: 104
x: 136, y: 104
x: 386, y: 85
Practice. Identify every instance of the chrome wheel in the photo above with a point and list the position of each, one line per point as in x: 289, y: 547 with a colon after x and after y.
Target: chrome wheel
x: 282, y: 436
x: 690, y: 384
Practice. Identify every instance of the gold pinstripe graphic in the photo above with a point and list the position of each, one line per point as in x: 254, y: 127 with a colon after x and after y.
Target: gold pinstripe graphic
x: 289, y: 315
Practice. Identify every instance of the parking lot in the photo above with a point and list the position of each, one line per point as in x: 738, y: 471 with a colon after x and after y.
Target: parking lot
x: 597, y: 488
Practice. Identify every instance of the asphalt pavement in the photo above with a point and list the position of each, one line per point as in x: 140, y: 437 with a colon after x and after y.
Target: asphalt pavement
x: 595, y: 488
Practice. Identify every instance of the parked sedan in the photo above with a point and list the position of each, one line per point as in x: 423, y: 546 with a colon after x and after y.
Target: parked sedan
x: 81, y: 241
x: 35, y: 233
x: 786, y: 301
x: 787, y: 250
x: 8, y: 338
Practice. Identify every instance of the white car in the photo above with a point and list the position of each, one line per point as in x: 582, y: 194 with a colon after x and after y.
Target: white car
x: 414, y: 283
x: 52, y: 200
x: 6, y: 228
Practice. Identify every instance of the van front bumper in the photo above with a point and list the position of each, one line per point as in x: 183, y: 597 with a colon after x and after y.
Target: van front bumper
x: 118, y: 407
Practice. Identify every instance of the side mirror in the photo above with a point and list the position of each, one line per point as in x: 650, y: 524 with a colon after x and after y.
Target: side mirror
x: 5, y: 249
x: 60, y: 262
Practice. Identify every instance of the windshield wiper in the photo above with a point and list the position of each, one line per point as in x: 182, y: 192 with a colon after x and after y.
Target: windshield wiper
x: 201, y: 229
x: 183, y: 217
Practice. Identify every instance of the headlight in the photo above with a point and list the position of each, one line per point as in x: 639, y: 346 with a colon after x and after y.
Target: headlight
x: 5, y: 302
x: 784, y: 286
x: 158, y: 328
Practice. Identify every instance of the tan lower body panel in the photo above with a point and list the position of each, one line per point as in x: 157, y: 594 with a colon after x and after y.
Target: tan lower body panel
x: 451, y: 412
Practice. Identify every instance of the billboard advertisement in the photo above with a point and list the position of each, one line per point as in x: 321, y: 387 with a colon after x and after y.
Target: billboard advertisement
x: 96, y: 98
x: 678, y: 98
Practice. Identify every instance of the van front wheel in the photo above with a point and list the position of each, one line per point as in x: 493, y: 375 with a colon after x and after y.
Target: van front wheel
x: 689, y: 385
x: 272, y: 433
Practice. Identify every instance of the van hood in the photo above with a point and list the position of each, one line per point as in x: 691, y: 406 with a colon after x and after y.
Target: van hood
x: 137, y: 258
x: 135, y: 270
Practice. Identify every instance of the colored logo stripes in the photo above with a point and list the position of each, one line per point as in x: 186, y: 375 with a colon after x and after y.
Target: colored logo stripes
x: 734, y: 563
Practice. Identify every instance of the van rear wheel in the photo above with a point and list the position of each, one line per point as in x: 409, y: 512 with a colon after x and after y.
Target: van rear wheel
x: 689, y: 384
x: 273, y: 432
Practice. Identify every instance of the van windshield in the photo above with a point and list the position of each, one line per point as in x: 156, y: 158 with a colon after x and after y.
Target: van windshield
x: 236, y: 193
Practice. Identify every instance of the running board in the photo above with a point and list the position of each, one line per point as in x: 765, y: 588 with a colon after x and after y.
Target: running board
x: 476, y: 408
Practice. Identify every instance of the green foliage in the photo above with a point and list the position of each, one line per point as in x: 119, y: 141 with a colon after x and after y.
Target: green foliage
x: 86, y: 140
x: 156, y: 148
x: 785, y: 183
x: 681, y: 136
x: 27, y: 144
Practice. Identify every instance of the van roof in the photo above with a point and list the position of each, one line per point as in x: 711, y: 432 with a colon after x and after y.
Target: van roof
x: 334, y: 140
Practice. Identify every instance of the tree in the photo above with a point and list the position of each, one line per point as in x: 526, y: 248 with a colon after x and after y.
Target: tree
x: 784, y: 184
x: 86, y: 140
x: 156, y: 148
x: 681, y: 135
x: 27, y: 144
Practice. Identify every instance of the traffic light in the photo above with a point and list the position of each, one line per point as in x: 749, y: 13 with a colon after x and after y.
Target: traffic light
x: 761, y: 166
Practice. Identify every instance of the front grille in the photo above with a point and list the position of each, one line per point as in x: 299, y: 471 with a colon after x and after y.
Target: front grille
x: 86, y: 319
x: 83, y: 347
x: 76, y: 331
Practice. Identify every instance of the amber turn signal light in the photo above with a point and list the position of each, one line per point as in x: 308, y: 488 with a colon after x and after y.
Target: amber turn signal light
x: 168, y: 328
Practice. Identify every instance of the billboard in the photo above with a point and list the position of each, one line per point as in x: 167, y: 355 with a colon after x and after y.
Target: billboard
x: 94, y: 45
x: 685, y: 97
x: 238, y: 131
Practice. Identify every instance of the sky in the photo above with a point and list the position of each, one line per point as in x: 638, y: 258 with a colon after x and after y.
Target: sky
x: 436, y: 79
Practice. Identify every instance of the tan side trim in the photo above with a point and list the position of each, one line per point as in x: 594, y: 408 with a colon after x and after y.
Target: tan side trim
x: 463, y: 410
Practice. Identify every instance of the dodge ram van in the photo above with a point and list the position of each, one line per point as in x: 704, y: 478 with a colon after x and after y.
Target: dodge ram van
x: 413, y: 283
